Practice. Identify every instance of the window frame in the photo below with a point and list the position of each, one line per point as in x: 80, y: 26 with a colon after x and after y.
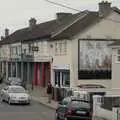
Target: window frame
x: 60, y: 47
x: 117, y: 55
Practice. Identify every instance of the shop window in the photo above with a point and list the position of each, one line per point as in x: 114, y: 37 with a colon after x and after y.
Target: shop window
x: 62, y: 78
x: 57, y: 78
x: 66, y: 79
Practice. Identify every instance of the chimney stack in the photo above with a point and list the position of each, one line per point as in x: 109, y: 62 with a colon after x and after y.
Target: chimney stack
x: 6, y: 32
x: 2, y: 38
x: 32, y: 22
x: 62, y: 14
x: 104, y: 8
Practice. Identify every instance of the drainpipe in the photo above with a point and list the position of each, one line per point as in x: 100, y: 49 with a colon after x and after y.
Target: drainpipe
x: 21, y: 63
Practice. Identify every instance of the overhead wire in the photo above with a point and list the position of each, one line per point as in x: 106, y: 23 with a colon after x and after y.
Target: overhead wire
x: 65, y: 6
x: 61, y: 5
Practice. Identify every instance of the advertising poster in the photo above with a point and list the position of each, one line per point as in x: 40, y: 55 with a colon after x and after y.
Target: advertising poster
x: 95, y: 55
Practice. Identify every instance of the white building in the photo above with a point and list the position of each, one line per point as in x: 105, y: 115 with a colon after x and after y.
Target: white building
x: 69, y: 51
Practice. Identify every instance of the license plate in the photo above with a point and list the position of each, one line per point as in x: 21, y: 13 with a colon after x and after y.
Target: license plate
x: 81, y: 112
x: 22, y: 98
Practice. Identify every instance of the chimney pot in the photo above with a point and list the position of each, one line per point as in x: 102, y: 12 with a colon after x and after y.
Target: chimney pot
x: 32, y: 22
x: 6, y: 32
x: 2, y: 38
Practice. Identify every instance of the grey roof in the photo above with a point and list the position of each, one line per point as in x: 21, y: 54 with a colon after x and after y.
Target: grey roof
x: 40, y: 30
x: 65, y: 27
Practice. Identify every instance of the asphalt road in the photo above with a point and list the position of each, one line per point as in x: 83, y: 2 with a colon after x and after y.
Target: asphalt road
x: 35, y: 111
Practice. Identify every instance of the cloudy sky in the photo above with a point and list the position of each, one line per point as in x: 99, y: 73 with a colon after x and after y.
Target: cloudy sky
x: 14, y: 14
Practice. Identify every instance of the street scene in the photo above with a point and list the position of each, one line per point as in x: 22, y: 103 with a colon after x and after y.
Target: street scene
x: 60, y: 60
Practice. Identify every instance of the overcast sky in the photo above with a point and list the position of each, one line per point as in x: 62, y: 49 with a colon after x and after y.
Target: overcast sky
x: 14, y: 14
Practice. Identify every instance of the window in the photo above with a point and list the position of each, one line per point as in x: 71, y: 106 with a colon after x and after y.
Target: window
x: 61, y: 47
x: 24, y: 51
x: 14, y: 51
x: 41, y: 48
x: 66, y: 79
x: 30, y: 47
x: 19, y: 50
x: 64, y: 47
x: 56, y: 48
x: 62, y: 78
x: 118, y: 55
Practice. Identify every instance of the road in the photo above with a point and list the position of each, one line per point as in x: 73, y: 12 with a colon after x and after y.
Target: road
x: 35, y: 111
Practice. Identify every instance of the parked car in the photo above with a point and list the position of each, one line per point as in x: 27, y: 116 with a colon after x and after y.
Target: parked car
x: 71, y: 108
x: 15, y: 94
x: 13, y: 81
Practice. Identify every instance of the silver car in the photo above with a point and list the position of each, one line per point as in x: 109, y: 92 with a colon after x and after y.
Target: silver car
x: 15, y: 94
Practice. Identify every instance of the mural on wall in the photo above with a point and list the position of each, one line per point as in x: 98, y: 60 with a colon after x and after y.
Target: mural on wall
x: 95, y: 55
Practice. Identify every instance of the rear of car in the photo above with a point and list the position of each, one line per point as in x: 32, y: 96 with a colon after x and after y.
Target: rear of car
x: 73, y: 109
x: 78, y: 110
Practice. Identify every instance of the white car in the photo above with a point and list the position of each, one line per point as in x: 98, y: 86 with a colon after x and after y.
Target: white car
x: 15, y: 94
x: 13, y: 81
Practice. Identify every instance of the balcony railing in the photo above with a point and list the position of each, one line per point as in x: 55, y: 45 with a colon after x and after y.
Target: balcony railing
x: 42, y: 58
x: 27, y: 58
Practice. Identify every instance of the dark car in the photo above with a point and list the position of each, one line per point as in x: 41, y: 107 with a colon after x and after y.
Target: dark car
x: 73, y: 109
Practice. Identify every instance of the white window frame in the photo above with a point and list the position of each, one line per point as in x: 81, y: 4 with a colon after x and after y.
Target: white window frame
x: 64, y: 47
x: 60, y: 47
x: 14, y: 50
x: 117, y: 55
x: 56, y: 48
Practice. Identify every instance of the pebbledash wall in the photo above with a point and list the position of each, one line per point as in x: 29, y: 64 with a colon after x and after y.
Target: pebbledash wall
x: 115, y: 66
x: 104, y: 30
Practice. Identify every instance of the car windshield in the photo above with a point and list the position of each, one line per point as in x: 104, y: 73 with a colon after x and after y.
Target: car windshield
x: 16, y: 90
x: 80, y: 104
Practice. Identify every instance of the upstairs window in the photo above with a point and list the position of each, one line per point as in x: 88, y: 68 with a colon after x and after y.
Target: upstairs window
x: 61, y: 47
x: 14, y: 51
x: 118, y: 55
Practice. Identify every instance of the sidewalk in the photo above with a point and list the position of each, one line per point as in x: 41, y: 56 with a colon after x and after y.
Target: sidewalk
x: 44, y: 101
x: 39, y: 95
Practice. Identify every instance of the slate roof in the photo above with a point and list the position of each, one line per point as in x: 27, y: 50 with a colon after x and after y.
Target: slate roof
x: 50, y: 28
x: 65, y: 27
x: 84, y: 22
